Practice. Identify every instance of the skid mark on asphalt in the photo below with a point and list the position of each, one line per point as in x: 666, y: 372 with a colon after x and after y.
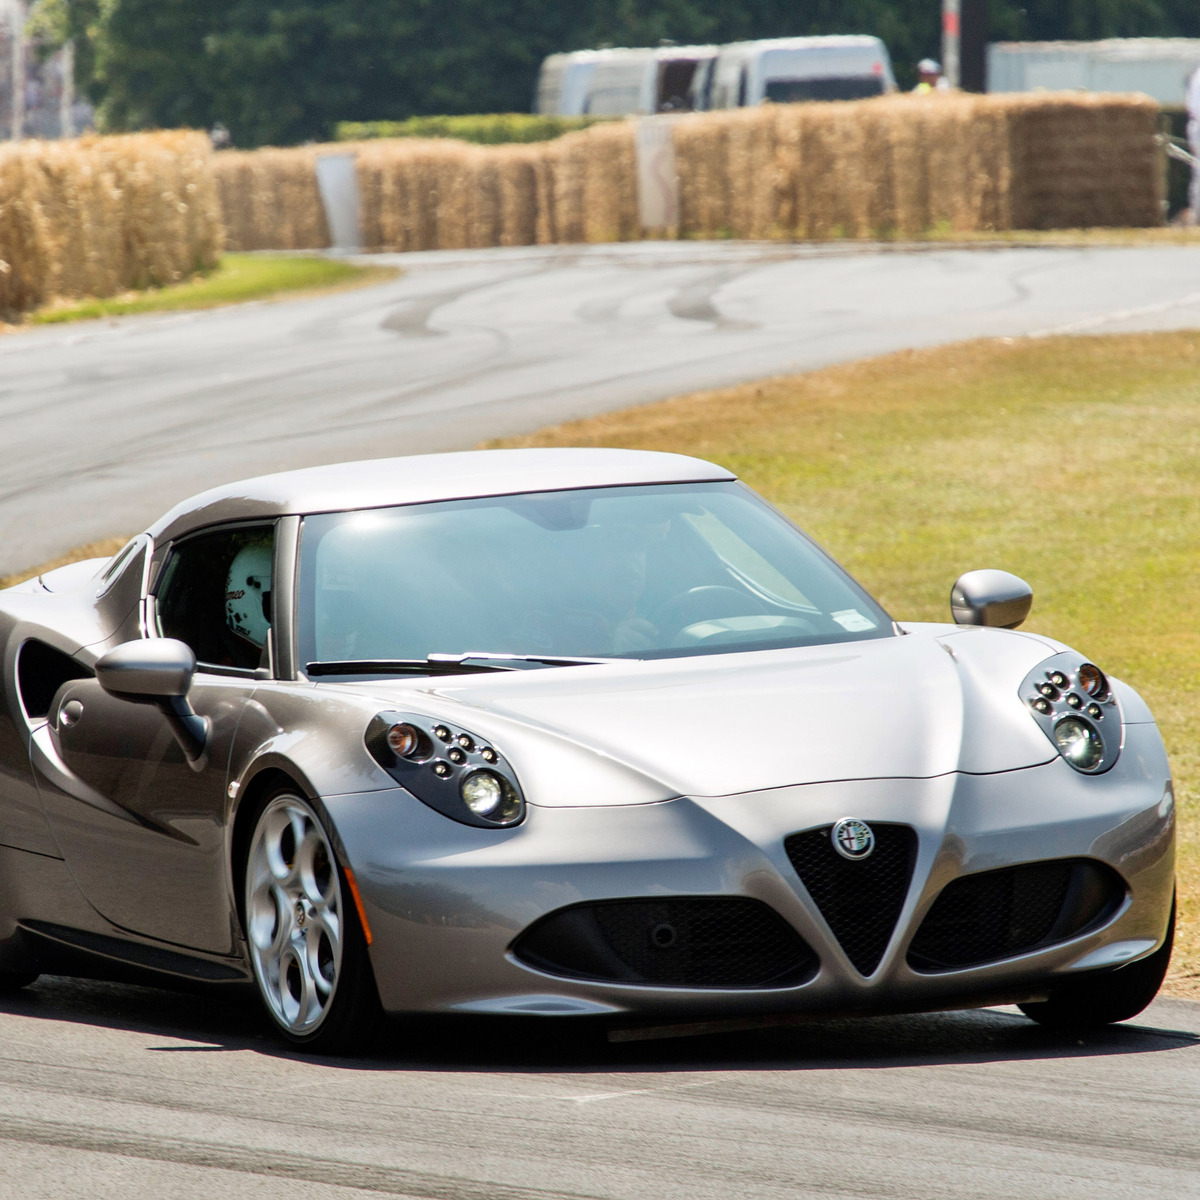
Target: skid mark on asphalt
x: 364, y: 1176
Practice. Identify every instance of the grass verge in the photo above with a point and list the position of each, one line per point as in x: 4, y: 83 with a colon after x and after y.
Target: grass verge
x: 1070, y: 461
x: 1160, y: 235
x: 238, y: 278
x: 485, y: 129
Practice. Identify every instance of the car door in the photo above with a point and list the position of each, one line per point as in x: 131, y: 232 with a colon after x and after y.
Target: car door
x: 141, y: 828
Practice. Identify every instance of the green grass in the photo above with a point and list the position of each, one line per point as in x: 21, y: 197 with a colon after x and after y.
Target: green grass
x: 1070, y: 461
x: 487, y: 129
x: 238, y: 278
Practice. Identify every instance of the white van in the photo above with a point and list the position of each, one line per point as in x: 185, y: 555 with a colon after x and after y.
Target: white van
x: 619, y: 82
x: 563, y: 82
x: 785, y: 70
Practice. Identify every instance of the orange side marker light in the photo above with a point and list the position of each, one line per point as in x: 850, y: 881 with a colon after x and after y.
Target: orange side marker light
x: 362, y: 912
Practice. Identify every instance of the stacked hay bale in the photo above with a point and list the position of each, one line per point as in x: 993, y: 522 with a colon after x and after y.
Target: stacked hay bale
x: 897, y: 166
x: 439, y: 194
x: 102, y: 215
x: 906, y: 165
x: 1085, y: 160
x: 435, y: 194
x: 269, y: 199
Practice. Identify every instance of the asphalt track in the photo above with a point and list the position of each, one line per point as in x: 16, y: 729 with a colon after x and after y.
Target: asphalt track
x: 110, y: 1091
x: 104, y: 425
x: 114, y: 1091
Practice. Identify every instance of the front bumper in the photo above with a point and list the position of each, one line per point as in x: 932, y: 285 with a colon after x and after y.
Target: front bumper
x: 446, y: 901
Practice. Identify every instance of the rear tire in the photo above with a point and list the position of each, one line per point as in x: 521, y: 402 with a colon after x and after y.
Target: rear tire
x: 1106, y: 997
x: 305, y: 940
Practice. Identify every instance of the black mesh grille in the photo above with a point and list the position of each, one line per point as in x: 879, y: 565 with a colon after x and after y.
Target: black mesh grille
x: 860, y: 900
x: 997, y: 914
x: 693, y: 941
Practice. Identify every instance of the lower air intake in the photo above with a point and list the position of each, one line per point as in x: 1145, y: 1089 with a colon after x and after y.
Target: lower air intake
x: 688, y: 942
x: 998, y: 914
x: 860, y: 900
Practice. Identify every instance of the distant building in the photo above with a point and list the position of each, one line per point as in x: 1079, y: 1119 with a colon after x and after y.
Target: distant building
x: 43, y: 88
x: 1159, y: 67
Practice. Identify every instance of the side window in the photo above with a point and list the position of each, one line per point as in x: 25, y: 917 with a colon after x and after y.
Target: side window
x: 215, y: 595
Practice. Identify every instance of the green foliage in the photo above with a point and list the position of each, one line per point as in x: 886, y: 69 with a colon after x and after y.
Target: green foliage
x: 238, y: 279
x: 286, y: 70
x: 486, y: 129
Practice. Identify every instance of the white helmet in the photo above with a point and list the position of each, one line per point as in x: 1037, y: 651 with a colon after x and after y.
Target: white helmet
x: 248, y: 592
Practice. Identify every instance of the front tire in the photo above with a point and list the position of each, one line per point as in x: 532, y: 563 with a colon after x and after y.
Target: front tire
x: 1107, y: 997
x: 305, y: 940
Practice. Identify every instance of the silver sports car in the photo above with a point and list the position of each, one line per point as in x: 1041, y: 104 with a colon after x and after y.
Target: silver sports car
x: 562, y: 732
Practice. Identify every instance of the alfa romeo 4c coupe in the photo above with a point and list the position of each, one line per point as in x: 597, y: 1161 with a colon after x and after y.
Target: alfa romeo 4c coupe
x: 571, y: 733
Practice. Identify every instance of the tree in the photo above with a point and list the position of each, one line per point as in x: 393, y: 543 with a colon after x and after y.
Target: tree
x: 285, y: 70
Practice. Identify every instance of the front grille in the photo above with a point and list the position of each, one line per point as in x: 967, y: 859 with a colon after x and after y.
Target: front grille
x: 860, y: 900
x: 998, y: 914
x: 691, y: 941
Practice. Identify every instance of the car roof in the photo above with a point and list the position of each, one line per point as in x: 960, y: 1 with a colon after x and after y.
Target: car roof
x: 424, y: 478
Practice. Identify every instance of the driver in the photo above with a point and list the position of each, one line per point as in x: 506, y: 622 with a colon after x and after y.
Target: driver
x: 248, y: 598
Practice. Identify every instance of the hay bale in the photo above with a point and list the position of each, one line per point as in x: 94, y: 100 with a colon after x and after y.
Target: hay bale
x: 270, y: 200
x: 1082, y: 160
x: 897, y: 165
x: 100, y: 215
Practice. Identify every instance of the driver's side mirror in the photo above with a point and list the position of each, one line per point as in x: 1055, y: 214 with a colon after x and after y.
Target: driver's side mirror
x: 993, y: 598
x: 158, y: 671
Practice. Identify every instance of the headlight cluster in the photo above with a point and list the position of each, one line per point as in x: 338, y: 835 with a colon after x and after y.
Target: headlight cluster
x: 1074, y: 704
x: 448, y: 768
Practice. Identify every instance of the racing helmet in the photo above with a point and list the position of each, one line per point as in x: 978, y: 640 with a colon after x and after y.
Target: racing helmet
x: 248, y: 593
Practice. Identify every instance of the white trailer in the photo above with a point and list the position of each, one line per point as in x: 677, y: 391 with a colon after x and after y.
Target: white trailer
x: 785, y: 70
x: 1159, y: 67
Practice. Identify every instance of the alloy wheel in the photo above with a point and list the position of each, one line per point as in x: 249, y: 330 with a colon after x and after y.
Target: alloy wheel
x: 294, y: 914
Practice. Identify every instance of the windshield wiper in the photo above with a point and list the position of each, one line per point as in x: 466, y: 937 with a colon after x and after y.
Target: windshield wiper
x: 401, y: 666
x: 497, y: 656
x: 471, y: 662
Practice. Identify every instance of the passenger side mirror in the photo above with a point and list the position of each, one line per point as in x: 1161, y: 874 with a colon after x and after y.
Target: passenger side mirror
x: 158, y: 671
x: 993, y: 598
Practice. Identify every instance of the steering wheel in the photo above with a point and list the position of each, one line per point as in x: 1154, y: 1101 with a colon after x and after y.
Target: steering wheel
x: 700, y: 603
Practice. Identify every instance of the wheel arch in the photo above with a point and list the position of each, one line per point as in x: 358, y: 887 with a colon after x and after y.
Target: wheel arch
x: 264, y: 781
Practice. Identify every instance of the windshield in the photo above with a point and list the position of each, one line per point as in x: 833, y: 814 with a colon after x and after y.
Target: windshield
x: 628, y: 572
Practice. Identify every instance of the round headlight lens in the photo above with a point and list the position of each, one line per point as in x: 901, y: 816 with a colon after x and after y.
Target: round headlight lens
x: 1092, y: 680
x: 1079, y: 743
x: 483, y: 793
x: 403, y: 739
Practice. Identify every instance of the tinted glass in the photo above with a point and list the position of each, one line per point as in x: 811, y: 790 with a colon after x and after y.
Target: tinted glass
x: 215, y: 595
x: 634, y: 572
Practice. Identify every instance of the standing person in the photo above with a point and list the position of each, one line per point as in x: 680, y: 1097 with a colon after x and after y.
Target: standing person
x: 930, y: 77
x: 1193, y: 109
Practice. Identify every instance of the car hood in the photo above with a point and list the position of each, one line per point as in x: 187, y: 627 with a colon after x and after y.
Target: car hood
x: 938, y: 700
